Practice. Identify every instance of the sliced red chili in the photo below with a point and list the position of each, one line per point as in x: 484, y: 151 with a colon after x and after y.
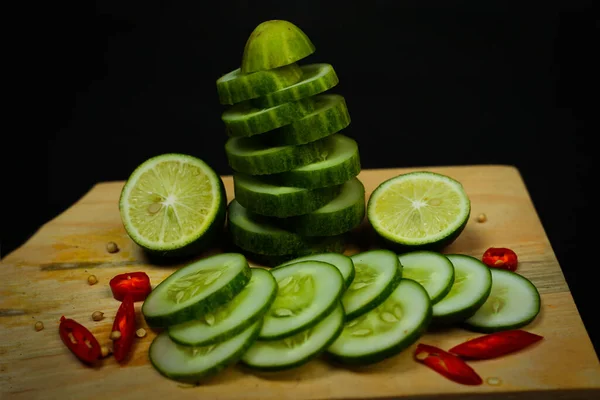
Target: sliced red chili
x: 125, y: 324
x: 135, y: 283
x: 495, y: 344
x: 500, y: 257
x: 79, y: 340
x: 446, y: 364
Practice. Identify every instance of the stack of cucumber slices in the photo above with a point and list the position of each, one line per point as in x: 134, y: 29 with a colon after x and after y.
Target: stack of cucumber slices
x: 295, y: 173
x: 351, y: 310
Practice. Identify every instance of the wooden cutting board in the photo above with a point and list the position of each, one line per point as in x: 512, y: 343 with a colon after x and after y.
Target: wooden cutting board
x: 47, y: 278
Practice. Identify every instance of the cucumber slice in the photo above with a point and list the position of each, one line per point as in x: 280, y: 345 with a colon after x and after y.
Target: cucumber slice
x: 258, y: 234
x: 242, y: 119
x: 192, y: 364
x: 342, y: 262
x: 315, y: 245
x: 308, y: 292
x: 195, y: 289
x: 273, y: 44
x: 339, y: 162
x: 471, y: 288
x: 513, y: 303
x: 340, y: 215
x: 231, y: 318
x: 296, y: 350
x: 386, y: 330
x: 235, y: 87
x: 430, y: 269
x: 378, y: 272
x: 253, y: 157
x: 262, y: 197
x: 316, y: 78
x: 330, y: 115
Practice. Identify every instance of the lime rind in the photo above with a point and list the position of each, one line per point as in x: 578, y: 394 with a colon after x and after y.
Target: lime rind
x: 273, y: 44
x: 173, y: 204
x: 419, y: 210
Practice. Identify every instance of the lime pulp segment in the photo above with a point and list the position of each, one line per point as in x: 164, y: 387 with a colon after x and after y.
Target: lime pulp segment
x: 419, y: 208
x: 170, y: 201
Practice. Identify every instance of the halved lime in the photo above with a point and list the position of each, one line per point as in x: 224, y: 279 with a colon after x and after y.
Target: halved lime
x: 173, y: 205
x: 273, y: 44
x: 419, y: 210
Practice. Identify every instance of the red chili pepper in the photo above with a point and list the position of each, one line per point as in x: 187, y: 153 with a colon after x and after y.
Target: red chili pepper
x: 135, y: 283
x: 79, y: 340
x: 125, y: 324
x: 500, y: 257
x: 495, y: 344
x: 447, y: 364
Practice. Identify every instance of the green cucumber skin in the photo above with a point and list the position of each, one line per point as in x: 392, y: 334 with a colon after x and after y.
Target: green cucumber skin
x: 303, y: 361
x: 443, y: 293
x: 312, y: 224
x: 458, y: 317
x: 483, y: 329
x: 317, y: 318
x: 297, y: 203
x: 249, y: 321
x: 251, y: 86
x: 332, y: 244
x: 313, y: 126
x: 395, y: 281
x: 207, y: 304
x: 349, y: 169
x: 195, y: 378
x: 294, y: 93
x: 264, y: 122
x: 287, y: 158
x: 319, y: 224
x: 390, y: 351
x: 284, y: 242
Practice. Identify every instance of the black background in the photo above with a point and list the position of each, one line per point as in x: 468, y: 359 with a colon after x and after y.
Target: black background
x: 108, y: 85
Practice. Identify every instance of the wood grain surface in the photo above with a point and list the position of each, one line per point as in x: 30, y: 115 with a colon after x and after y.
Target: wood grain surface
x: 47, y: 278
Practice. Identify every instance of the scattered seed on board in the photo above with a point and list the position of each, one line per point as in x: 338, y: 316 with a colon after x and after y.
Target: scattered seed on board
x: 92, y: 280
x: 105, y: 351
x: 98, y: 315
x: 481, y: 218
x: 39, y: 326
x: 114, y: 335
x: 140, y: 333
x: 112, y: 247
